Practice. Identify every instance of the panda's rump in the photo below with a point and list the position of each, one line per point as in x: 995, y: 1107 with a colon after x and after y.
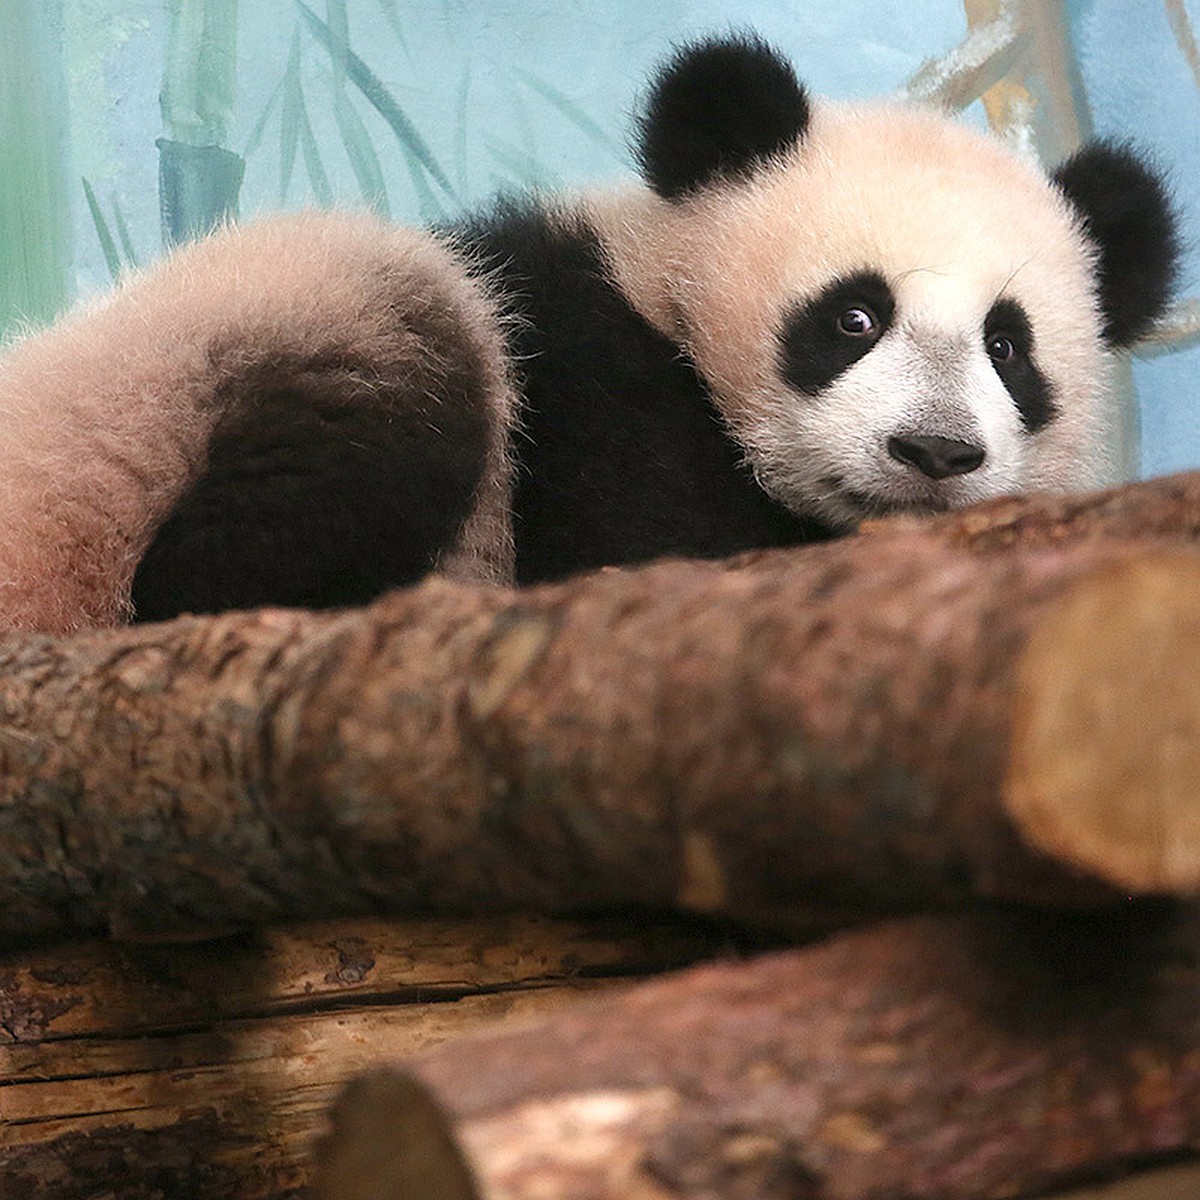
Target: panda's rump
x: 332, y: 476
x: 306, y: 409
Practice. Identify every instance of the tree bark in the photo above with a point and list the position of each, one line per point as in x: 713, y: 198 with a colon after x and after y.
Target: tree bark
x: 993, y: 703
x: 934, y: 1058
x: 875, y: 723
x: 1166, y: 509
x: 200, y: 1072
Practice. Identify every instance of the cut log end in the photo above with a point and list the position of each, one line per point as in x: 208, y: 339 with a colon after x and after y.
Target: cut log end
x: 391, y: 1141
x: 1104, y: 769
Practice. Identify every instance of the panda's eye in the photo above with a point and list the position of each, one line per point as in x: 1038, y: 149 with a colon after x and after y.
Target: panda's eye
x: 858, y: 322
x: 1000, y: 348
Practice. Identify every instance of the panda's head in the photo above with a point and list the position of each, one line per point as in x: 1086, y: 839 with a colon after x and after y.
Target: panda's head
x: 893, y: 311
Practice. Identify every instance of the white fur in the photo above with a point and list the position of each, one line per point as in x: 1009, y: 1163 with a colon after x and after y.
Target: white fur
x: 953, y: 221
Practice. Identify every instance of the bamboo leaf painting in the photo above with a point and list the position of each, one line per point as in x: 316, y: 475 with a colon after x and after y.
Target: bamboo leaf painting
x: 525, y: 168
x: 317, y: 176
x: 199, y: 178
x: 364, y: 162
x: 338, y: 24
x: 461, y: 123
x: 260, y: 126
x: 290, y: 117
x: 429, y: 206
x: 108, y: 245
x: 384, y: 103
x: 569, y: 109
x: 35, y: 217
x: 126, y: 241
x: 392, y: 13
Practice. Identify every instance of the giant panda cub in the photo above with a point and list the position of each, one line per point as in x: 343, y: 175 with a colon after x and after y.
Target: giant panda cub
x: 804, y: 315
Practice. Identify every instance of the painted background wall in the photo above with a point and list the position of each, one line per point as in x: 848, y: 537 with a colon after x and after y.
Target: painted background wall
x: 1139, y: 67
x: 126, y: 124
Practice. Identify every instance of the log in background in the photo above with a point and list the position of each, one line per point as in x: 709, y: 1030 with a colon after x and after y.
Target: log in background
x: 201, y: 1072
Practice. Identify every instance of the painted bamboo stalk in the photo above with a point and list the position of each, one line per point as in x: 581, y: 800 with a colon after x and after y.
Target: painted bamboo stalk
x: 35, y: 217
x: 199, y: 179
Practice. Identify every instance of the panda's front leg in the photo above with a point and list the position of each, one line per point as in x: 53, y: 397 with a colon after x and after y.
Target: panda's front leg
x: 303, y: 411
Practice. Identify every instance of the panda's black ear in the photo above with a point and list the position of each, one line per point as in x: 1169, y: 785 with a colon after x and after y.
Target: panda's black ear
x: 1127, y: 214
x: 718, y: 109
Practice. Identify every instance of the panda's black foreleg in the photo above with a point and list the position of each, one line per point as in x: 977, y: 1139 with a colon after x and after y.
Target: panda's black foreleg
x: 315, y: 495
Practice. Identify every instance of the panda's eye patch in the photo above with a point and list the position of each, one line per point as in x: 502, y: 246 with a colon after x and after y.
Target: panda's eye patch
x: 858, y: 322
x: 825, y: 334
x: 1008, y: 340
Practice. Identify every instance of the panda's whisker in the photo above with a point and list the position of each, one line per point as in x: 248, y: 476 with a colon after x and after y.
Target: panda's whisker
x: 1002, y: 290
x: 939, y: 273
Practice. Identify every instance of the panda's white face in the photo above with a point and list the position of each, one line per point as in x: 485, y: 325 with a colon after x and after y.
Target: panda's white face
x: 897, y: 315
x: 921, y: 422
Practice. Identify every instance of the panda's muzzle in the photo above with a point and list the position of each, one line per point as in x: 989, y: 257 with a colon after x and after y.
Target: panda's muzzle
x: 936, y: 457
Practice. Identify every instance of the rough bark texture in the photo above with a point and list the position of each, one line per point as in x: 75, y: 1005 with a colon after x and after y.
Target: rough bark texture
x: 934, y: 1058
x: 1166, y: 509
x: 864, y: 724
x: 200, y: 1072
x: 921, y: 715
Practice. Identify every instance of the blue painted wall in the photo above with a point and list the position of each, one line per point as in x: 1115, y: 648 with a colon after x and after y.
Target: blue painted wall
x: 1139, y: 84
x: 478, y: 80
x: 506, y: 93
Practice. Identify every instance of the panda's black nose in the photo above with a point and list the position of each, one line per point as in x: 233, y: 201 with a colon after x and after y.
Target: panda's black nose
x: 937, y: 457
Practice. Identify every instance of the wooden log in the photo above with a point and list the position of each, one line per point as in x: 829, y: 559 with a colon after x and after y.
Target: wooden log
x: 934, y: 1058
x: 1165, y: 509
x: 874, y: 723
x: 202, y: 1071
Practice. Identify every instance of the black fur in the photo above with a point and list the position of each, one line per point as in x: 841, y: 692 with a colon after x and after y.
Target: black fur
x: 325, y: 485
x: 936, y: 456
x: 1127, y: 213
x: 814, y: 350
x: 717, y: 110
x: 622, y: 456
x: 1030, y: 389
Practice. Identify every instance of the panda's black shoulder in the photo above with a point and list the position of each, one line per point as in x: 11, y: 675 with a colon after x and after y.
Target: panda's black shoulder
x: 621, y: 453
x: 572, y: 323
x: 546, y: 262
